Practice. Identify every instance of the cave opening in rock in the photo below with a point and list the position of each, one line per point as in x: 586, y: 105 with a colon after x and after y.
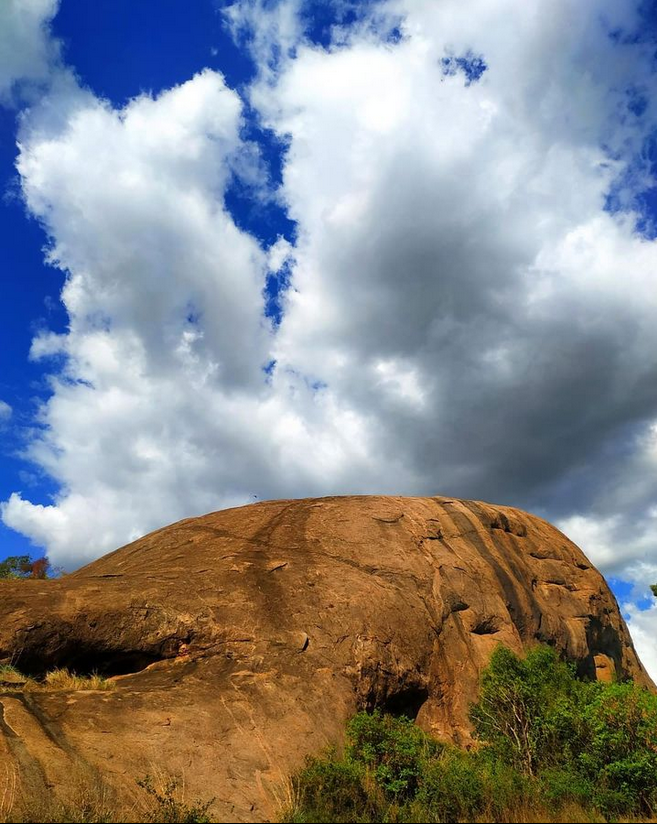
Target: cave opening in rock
x: 83, y: 659
x: 407, y: 702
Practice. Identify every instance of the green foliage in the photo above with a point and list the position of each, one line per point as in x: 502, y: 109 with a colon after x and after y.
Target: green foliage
x: 552, y: 748
x: 529, y: 708
x: 392, y: 771
x: 535, y: 714
x: 331, y: 789
x: 20, y: 567
x: 394, y: 750
x: 168, y: 807
x: 452, y: 788
x: 560, y: 787
x: 653, y: 587
x: 620, y: 747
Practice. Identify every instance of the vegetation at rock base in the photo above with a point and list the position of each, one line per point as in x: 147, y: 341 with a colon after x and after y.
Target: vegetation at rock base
x: 91, y: 801
x: 552, y: 747
x: 168, y: 807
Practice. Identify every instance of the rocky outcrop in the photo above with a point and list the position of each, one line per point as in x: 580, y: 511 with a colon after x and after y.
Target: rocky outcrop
x: 243, y: 640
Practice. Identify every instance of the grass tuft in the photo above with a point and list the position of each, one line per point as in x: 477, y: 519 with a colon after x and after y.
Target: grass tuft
x: 92, y: 801
x: 166, y: 803
x: 62, y: 679
x: 55, y: 681
x: 10, y: 675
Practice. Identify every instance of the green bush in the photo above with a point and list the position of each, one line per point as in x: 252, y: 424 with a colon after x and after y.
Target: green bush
x: 559, y: 787
x: 530, y: 709
x: 21, y: 567
x: 393, y: 749
x: 452, y: 788
x: 331, y: 789
x: 535, y: 714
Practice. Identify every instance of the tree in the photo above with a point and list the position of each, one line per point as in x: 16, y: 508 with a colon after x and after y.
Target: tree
x: 521, y: 711
x: 536, y: 715
x: 20, y: 567
x: 653, y: 587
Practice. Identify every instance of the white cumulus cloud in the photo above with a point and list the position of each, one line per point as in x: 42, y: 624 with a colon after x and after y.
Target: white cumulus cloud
x: 26, y: 50
x: 162, y: 407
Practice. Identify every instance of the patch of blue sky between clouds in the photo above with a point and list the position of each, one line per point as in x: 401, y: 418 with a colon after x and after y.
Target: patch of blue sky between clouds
x: 635, y: 191
x: 470, y: 65
x: 261, y: 213
x: 277, y: 285
x: 252, y: 202
x: 626, y: 591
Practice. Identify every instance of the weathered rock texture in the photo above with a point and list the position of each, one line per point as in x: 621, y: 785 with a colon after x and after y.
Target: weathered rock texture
x: 242, y: 640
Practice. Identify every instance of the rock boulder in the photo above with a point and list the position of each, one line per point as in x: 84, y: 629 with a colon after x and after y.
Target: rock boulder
x: 243, y: 640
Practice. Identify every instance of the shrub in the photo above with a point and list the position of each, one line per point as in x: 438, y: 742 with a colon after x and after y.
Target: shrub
x: 560, y: 787
x: 453, y: 788
x: 167, y: 806
x: 331, y: 789
x: 528, y: 709
x: 536, y: 714
x: 393, y: 749
x: 394, y: 772
x: 620, y: 755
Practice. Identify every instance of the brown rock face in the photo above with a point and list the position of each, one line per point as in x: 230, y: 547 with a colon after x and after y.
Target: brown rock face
x: 243, y: 640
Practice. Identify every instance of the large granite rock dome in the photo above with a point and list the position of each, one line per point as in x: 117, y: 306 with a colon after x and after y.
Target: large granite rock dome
x: 243, y: 640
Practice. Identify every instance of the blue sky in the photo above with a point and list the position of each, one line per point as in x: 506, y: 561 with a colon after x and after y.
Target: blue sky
x: 303, y: 249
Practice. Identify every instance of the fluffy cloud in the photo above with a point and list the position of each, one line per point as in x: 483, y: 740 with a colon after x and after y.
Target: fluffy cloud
x: 641, y: 624
x: 161, y: 407
x: 5, y: 411
x: 466, y: 315
x: 456, y: 270
x: 26, y: 51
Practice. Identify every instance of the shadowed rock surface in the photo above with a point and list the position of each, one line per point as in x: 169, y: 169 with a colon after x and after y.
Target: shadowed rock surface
x: 243, y: 640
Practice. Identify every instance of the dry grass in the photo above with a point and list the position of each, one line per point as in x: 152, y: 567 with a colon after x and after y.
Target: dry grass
x: 58, y: 680
x: 10, y: 676
x: 8, y: 793
x: 532, y: 814
x: 20, y: 804
x: 62, y: 679
x: 91, y: 801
